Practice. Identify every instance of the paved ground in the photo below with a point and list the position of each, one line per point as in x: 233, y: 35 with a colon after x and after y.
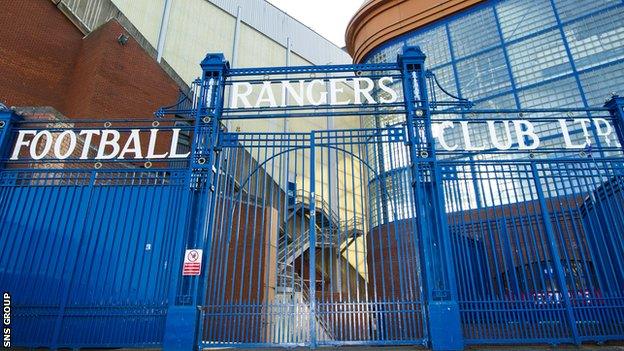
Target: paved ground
x: 589, y: 347
x: 606, y: 347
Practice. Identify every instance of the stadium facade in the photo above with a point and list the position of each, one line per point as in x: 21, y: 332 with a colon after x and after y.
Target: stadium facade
x: 459, y: 184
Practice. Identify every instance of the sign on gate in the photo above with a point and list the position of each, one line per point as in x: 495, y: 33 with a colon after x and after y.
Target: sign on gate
x: 110, y: 144
x: 192, y: 262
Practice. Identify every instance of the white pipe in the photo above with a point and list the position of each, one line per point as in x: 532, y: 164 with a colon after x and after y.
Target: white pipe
x: 162, y: 34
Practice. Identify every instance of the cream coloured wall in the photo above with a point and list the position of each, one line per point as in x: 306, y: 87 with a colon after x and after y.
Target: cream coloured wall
x: 196, y: 27
x: 257, y: 50
x: 145, y: 15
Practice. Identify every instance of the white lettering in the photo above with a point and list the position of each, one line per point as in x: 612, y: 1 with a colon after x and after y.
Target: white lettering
x: 151, y: 148
x: 438, y: 132
x: 35, y: 143
x: 105, y: 141
x: 132, y: 145
x: 20, y: 142
x: 266, y: 96
x: 525, y: 130
x: 334, y: 90
x: 566, y: 136
x: 323, y: 95
x: 174, y: 145
x: 359, y: 91
x: 507, y: 134
x: 243, y: 97
x: 394, y: 97
x: 467, y: 141
x: 88, y: 133
x: 58, y: 145
x: 289, y: 90
x: 606, y: 134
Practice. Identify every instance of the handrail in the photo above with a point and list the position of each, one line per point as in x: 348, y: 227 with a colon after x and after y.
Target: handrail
x: 300, y: 285
x: 341, y: 225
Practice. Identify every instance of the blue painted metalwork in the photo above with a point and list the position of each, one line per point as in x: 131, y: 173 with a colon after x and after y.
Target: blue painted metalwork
x: 427, y: 183
x: 361, y: 236
x: 6, y: 121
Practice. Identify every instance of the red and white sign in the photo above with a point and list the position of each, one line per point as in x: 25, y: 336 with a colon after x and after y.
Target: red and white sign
x: 192, y: 262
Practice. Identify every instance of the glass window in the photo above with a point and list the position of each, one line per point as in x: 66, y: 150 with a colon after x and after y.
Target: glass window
x: 539, y: 58
x: 483, y: 75
x: 388, y: 54
x: 519, y: 18
x: 597, y: 39
x: 506, y: 101
x: 446, y: 78
x: 599, y: 84
x: 434, y: 43
x: 558, y: 94
x: 474, y: 32
x: 571, y: 9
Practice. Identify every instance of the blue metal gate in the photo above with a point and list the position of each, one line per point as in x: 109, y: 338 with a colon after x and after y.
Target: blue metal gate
x: 430, y: 225
x: 293, y: 258
x: 87, y: 250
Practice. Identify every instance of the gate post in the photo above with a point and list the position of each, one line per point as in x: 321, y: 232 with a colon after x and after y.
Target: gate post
x: 426, y: 180
x: 7, y: 117
x: 183, y: 328
x: 615, y: 104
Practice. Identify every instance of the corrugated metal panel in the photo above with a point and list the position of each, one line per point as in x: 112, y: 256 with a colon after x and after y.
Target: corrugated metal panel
x: 279, y: 26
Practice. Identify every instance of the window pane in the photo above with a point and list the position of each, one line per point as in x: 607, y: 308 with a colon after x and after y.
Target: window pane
x: 519, y: 18
x: 597, y: 39
x: 387, y: 54
x: 434, y: 43
x: 571, y: 9
x: 474, y: 32
x: 539, y: 58
x: 599, y: 84
x: 446, y: 78
x: 560, y: 93
x: 483, y: 75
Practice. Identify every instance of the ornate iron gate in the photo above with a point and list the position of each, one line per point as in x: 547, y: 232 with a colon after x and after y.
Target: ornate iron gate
x: 294, y: 259
x: 293, y: 264
x: 437, y: 223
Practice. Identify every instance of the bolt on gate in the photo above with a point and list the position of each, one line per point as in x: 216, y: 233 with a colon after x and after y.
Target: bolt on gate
x: 361, y: 205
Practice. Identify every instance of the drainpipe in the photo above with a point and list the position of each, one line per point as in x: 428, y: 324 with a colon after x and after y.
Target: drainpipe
x: 162, y: 34
x: 234, y: 63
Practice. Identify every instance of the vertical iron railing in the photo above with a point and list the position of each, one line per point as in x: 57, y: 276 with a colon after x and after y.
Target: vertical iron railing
x: 312, y: 237
x: 6, y: 122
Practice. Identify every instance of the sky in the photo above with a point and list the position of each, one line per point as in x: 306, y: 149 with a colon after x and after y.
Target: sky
x: 329, y: 18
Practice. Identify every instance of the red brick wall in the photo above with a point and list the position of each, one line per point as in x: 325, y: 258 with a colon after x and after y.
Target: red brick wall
x: 38, y: 45
x: 115, y: 80
x: 44, y: 61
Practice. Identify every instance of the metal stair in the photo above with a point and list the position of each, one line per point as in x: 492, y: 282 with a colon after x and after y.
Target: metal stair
x: 330, y: 232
